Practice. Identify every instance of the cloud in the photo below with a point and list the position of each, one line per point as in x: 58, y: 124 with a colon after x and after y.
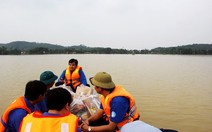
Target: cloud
x: 136, y: 24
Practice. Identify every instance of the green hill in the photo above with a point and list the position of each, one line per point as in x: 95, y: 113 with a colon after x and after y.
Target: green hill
x: 185, y: 49
x: 24, y: 46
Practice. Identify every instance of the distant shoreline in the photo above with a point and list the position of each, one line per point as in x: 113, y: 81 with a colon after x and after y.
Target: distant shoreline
x: 33, y: 48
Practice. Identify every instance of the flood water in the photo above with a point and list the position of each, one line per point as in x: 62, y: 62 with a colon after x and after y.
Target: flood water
x: 171, y: 91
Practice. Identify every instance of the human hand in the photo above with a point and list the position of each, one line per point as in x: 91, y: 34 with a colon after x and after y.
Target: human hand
x: 84, y: 126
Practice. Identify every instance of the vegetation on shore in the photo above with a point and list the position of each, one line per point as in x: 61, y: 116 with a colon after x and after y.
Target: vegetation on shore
x: 23, y: 47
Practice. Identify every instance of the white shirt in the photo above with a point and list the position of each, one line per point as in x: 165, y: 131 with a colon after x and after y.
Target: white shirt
x: 139, y: 126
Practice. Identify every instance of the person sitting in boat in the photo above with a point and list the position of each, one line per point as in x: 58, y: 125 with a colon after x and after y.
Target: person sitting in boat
x: 73, y: 75
x: 116, y: 103
x: 48, y: 78
x: 13, y: 115
x: 58, y: 118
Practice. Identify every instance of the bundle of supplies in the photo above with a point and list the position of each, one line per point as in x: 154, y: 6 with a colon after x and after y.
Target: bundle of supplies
x: 85, y: 102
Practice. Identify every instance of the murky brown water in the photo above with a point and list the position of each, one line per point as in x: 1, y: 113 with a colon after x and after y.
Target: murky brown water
x: 171, y: 91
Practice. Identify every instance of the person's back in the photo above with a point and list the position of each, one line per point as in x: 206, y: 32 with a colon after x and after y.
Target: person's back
x: 48, y: 78
x: 13, y: 115
x: 58, y: 117
x: 47, y: 122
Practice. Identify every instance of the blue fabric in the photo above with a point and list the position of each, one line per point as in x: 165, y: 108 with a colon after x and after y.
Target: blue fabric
x: 81, y: 73
x: 101, y: 107
x: 41, y: 106
x: 119, y: 107
x: 16, y: 116
x: 50, y: 114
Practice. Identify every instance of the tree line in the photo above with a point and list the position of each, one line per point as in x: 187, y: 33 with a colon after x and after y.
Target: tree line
x: 194, y: 49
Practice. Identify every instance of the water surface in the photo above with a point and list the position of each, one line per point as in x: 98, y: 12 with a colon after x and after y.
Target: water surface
x: 171, y: 91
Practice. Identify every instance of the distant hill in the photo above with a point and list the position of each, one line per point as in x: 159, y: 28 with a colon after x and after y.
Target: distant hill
x: 185, y: 49
x: 23, y: 45
x: 191, y: 46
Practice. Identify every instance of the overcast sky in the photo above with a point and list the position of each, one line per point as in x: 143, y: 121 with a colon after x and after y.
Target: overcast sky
x: 129, y: 24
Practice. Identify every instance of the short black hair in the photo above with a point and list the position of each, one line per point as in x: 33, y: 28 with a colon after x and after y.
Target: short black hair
x: 73, y: 60
x: 57, y: 98
x: 34, y: 89
x: 110, y: 90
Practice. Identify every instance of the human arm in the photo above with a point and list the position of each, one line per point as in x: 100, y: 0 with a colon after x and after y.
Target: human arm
x: 62, y: 77
x: 99, y: 114
x: 15, y: 118
x: 103, y: 128
x: 82, y: 77
x: 119, y: 107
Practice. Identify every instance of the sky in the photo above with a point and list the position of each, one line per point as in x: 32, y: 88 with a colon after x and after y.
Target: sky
x: 127, y: 24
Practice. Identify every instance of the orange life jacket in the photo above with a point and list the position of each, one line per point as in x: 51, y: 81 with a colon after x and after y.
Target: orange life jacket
x: 119, y: 91
x: 36, y: 122
x: 17, y: 104
x: 74, y: 77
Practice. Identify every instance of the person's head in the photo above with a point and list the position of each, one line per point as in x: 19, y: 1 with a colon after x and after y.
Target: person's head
x: 102, y: 80
x: 35, y: 90
x: 48, y: 78
x: 73, y: 63
x: 58, y: 99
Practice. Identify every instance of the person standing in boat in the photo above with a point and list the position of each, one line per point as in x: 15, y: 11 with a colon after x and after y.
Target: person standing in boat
x: 13, y: 115
x: 48, y: 78
x: 58, y: 118
x: 73, y: 75
x: 116, y: 103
